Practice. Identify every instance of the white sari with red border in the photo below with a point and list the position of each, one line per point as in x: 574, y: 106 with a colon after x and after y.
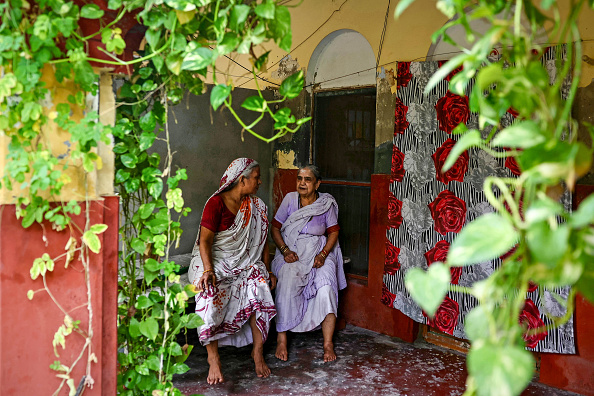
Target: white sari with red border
x: 241, y: 288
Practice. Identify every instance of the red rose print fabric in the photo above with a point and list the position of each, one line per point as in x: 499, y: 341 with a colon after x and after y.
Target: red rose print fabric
x: 392, y: 264
x: 448, y: 212
x: 446, y: 317
x: 428, y: 208
x: 457, y: 171
x: 400, y: 122
x: 397, y: 164
x: 452, y: 110
x: 394, y: 211
x: 439, y: 253
x: 404, y: 75
x: 530, y: 320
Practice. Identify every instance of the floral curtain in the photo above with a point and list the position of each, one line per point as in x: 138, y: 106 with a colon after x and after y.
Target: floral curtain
x: 427, y: 208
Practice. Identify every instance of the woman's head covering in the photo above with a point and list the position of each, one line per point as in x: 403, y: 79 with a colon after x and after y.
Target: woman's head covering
x: 234, y: 170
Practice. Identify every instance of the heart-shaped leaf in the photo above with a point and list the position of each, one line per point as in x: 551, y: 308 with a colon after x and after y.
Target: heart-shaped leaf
x: 486, y: 238
x: 428, y: 289
x: 500, y: 371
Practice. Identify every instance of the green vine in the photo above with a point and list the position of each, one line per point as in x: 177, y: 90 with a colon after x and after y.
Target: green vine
x: 554, y: 248
x: 43, y: 51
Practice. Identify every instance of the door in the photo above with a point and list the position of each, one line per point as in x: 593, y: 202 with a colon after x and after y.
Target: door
x: 343, y: 149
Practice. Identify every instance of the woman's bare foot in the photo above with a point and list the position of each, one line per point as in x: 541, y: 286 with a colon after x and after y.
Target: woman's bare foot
x: 329, y: 354
x: 262, y: 369
x: 215, y: 374
x: 281, y: 347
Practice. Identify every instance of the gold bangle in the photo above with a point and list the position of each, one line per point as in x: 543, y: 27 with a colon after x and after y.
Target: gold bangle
x: 283, y: 249
x: 205, y: 271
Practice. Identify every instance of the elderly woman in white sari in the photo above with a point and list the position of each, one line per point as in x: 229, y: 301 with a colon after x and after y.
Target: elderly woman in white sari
x: 229, y: 267
x: 308, y: 263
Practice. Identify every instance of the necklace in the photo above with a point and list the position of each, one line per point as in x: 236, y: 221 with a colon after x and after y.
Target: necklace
x: 317, y: 196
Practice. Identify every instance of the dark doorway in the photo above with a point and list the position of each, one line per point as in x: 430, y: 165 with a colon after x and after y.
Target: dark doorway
x: 343, y: 148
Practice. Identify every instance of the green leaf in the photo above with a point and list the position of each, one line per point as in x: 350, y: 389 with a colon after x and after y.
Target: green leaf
x: 194, y: 321
x: 148, y: 121
x: 585, y: 283
x: 238, y: 15
x: 143, y: 302
x: 180, y: 368
x: 402, y: 5
x: 91, y: 11
x: 547, y: 245
x: 92, y: 241
x: 129, y: 160
x: 254, y: 103
x: 543, y: 209
x: 429, y: 288
x: 197, y: 59
x: 121, y: 176
x: 487, y: 237
x: 146, y: 210
x: 146, y: 140
x: 153, y: 362
x: 443, y: 71
x: 218, y: 95
x: 500, y: 371
x: 471, y: 139
x: 291, y: 87
x: 155, y: 188
x: 174, y: 63
x: 131, y: 185
x: 521, y: 134
x: 152, y: 37
x: 584, y: 215
x: 114, y: 4
x: 98, y: 228
x: 265, y: 10
x: 134, y: 328
x: 30, y: 294
x: 149, y: 328
x: 476, y: 324
x: 151, y: 265
x: 138, y: 245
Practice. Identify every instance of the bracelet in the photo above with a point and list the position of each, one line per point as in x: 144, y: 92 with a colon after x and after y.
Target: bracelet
x: 323, y: 253
x: 205, y: 271
x: 283, y: 249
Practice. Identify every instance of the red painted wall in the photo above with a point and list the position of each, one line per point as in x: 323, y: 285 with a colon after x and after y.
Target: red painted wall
x: 359, y: 303
x: 574, y: 372
x: 27, y: 327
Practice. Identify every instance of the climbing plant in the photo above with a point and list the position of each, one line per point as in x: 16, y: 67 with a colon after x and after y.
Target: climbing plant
x: 547, y: 245
x: 184, y: 39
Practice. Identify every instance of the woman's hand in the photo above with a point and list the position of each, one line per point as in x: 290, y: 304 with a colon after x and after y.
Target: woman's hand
x: 319, y: 260
x: 273, y: 281
x: 290, y: 256
x: 208, y: 277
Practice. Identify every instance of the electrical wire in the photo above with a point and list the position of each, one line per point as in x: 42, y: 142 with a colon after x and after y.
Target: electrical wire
x: 383, y: 36
x: 307, y: 38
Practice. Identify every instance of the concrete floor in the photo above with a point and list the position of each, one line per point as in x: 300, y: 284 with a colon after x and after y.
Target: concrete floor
x: 368, y: 364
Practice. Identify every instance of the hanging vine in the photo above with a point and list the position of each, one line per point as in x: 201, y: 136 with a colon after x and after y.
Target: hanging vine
x: 546, y: 244
x: 43, y: 41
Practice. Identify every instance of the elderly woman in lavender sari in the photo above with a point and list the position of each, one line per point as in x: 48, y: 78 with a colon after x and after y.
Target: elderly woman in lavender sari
x: 229, y: 267
x: 308, y: 264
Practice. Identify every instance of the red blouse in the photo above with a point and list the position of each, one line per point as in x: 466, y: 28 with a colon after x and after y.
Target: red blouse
x: 216, y: 216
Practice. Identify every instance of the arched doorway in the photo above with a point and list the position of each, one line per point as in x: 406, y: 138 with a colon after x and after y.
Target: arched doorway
x: 341, y: 77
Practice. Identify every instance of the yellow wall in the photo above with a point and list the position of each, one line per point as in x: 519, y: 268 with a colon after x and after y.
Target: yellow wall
x: 99, y: 182
x: 407, y: 39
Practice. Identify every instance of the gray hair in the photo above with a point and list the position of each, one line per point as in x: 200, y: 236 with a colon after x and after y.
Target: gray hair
x: 314, y: 169
x: 246, y: 173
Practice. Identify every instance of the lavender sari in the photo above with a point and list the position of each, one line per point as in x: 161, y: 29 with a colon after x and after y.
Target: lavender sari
x: 305, y: 295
